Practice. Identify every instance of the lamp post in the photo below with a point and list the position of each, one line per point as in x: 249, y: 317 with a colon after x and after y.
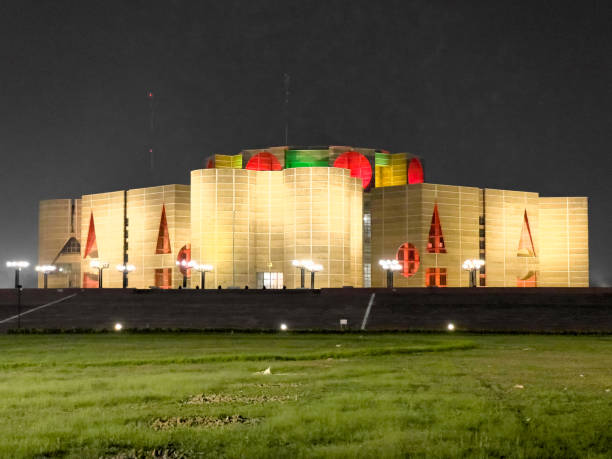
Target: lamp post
x: 203, y: 269
x: 307, y: 265
x: 125, y: 269
x: 472, y: 265
x: 184, y: 266
x: 45, y: 270
x: 18, y: 266
x: 390, y: 266
x: 299, y: 264
x: 313, y: 268
x: 100, y: 266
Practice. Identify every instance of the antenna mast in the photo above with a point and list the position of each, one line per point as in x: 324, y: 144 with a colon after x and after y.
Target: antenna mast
x: 287, y: 79
x: 151, y: 98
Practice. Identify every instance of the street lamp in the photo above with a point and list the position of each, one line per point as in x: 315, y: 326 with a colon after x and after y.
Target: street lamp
x: 100, y: 266
x: 185, y: 265
x: 203, y: 269
x: 45, y: 269
x: 307, y: 265
x: 390, y: 266
x: 313, y: 268
x: 125, y: 269
x: 17, y: 266
x: 472, y: 265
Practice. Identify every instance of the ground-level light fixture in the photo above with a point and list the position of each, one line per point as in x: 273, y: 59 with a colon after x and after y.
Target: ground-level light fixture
x: 472, y: 265
x: 125, y: 268
x: 17, y: 266
x: 118, y: 326
x: 100, y: 266
x: 450, y: 327
x: 307, y: 265
x: 283, y: 327
x: 45, y: 270
x: 390, y: 266
x: 203, y: 269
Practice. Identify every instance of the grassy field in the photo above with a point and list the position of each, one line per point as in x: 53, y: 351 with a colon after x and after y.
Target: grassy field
x: 381, y: 395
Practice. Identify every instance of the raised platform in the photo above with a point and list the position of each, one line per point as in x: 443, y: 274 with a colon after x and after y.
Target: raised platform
x: 490, y: 309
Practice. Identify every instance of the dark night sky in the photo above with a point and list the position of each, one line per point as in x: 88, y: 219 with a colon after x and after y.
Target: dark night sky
x: 514, y: 95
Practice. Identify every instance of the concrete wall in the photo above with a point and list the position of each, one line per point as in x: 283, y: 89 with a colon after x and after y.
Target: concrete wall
x: 492, y: 309
x: 247, y: 222
x: 564, y: 242
x: 144, y: 211
x: 59, y: 220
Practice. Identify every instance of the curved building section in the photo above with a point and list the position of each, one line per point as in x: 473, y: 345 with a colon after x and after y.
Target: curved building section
x: 250, y: 214
x: 250, y: 225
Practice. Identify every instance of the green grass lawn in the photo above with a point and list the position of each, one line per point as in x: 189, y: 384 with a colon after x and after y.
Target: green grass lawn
x: 379, y: 395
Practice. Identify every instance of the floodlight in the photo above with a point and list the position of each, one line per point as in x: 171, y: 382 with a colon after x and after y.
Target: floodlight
x: 390, y: 266
x: 17, y: 264
x: 203, y: 269
x: 100, y: 266
x: 118, y: 327
x: 283, y: 327
x: 45, y: 268
x: 472, y: 265
x: 450, y: 327
x: 127, y: 268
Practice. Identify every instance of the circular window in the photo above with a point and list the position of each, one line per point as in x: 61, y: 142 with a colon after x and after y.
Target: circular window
x: 358, y: 164
x: 184, y: 255
x: 264, y: 161
x: 408, y: 257
x: 415, y: 171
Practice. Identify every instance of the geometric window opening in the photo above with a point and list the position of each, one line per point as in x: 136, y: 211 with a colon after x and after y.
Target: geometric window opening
x: 90, y: 280
x: 91, y: 248
x: 530, y: 280
x: 184, y: 255
x: 264, y: 161
x: 525, y: 247
x: 163, y: 278
x: 358, y: 164
x: 72, y: 246
x: 415, y: 172
x: 435, y: 243
x: 163, y: 238
x: 408, y: 257
x: 435, y: 277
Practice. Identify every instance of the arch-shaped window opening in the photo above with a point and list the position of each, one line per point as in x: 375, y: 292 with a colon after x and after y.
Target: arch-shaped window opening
x: 408, y: 257
x: 358, y: 164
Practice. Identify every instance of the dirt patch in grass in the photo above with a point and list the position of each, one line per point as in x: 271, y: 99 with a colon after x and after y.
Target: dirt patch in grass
x: 204, y: 399
x: 199, y: 421
x: 162, y: 452
x: 266, y: 385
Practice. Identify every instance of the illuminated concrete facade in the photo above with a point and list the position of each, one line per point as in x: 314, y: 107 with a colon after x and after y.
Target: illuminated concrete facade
x: 247, y: 222
x: 249, y: 215
x: 59, y: 233
x: 524, y: 239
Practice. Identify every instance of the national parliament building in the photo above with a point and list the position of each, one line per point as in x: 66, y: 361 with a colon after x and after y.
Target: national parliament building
x: 250, y: 215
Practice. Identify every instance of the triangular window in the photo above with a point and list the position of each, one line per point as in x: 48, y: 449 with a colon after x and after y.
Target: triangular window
x: 526, y: 248
x: 163, y: 238
x: 435, y: 243
x: 72, y: 246
x: 530, y: 280
x: 91, y: 248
